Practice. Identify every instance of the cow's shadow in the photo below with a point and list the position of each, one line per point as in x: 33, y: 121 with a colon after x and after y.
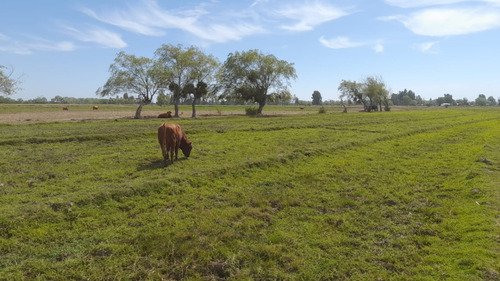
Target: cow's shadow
x: 158, y: 164
x: 151, y: 166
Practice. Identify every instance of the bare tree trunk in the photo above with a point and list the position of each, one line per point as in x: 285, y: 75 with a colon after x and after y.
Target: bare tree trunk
x: 194, y: 109
x: 138, y: 111
x: 176, y: 108
x: 261, y: 106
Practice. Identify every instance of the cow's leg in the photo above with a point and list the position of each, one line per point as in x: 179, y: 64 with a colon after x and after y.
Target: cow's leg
x: 176, y: 146
x: 165, y: 154
x: 163, y: 144
x: 172, y: 154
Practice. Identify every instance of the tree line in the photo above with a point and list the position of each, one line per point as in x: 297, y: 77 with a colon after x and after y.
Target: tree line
x: 408, y: 98
x: 186, y: 75
x: 189, y: 73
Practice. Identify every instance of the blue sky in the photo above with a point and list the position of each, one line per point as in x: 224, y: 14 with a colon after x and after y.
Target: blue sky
x: 431, y: 47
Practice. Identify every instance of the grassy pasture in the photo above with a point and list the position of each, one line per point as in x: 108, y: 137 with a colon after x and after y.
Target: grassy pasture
x: 406, y: 195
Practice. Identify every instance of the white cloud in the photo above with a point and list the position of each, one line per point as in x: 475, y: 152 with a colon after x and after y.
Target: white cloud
x: 97, y: 35
x: 494, y: 2
x: 34, y: 43
x: 428, y: 3
x: 152, y: 20
x: 447, y: 22
x: 15, y: 49
x: 427, y: 47
x: 346, y: 43
x: 339, y: 43
x: 64, y: 46
x: 38, y: 43
x: 308, y: 16
x: 137, y: 22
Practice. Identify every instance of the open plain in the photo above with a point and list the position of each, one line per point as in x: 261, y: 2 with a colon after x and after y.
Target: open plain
x: 400, y: 195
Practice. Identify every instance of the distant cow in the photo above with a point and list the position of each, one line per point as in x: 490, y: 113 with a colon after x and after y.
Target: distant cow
x: 165, y: 115
x: 95, y: 107
x: 65, y: 108
x: 171, y: 138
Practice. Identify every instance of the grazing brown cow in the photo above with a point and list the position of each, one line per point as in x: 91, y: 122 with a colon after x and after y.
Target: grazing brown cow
x: 165, y: 115
x: 95, y: 107
x: 65, y: 108
x: 171, y: 138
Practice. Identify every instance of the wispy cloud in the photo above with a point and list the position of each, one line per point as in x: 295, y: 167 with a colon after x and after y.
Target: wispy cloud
x: 309, y: 15
x: 152, y: 20
x: 427, y: 47
x: 339, y: 43
x: 63, y: 46
x: 424, y: 3
x: 15, y: 49
x: 448, y: 21
x: 346, y: 43
x: 134, y: 20
x: 32, y: 44
x: 428, y: 3
x: 97, y: 35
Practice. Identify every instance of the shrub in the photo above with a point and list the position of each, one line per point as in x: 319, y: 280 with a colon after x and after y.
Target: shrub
x: 322, y: 110
x: 251, y: 110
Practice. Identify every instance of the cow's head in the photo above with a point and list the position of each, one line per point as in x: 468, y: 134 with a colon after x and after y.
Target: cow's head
x: 186, y: 147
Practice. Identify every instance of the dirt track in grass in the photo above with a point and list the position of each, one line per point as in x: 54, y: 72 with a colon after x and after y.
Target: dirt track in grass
x: 65, y: 116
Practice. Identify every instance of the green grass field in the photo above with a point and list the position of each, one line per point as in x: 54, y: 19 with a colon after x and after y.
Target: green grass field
x: 402, y: 195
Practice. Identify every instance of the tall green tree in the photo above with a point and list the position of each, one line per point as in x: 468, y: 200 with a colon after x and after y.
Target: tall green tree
x: 352, y: 91
x: 374, y: 88
x: 372, y: 92
x: 8, y: 84
x: 139, y: 75
x: 177, y: 62
x: 200, y: 91
x: 462, y: 102
x: 406, y: 97
x: 481, y: 100
x: 251, y: 75
x: 204, y: 71
x: 316, y: 98
x: 492, y: 101
x: 446, y: 99
x: 189, y: 72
